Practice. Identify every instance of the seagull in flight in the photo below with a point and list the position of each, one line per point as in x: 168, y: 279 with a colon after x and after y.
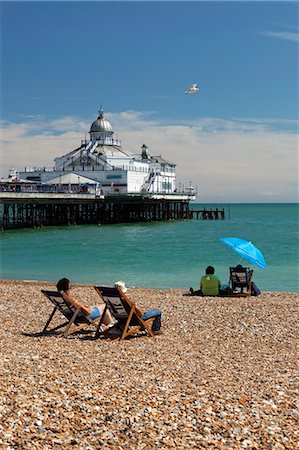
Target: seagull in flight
x: 192, y: 89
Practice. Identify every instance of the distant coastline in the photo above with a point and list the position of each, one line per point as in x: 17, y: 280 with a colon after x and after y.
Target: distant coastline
x: 52, y: 284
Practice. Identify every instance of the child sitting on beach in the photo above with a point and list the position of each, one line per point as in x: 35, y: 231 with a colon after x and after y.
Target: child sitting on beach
x: 94, y: 312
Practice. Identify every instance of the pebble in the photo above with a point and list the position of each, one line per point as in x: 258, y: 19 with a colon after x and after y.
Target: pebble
x: 222, y: 375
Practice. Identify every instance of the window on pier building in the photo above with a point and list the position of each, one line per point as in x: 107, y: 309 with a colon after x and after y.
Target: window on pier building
x: 113, y: 177
x: 34, y: 178
x: 166, y: 186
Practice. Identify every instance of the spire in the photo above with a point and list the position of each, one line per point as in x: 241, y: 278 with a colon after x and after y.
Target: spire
x: 101, y: 112
x: 144, y: 153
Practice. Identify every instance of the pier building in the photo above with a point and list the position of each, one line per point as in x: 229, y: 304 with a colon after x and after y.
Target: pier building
x: 101, y: 161
x: 99, y: 182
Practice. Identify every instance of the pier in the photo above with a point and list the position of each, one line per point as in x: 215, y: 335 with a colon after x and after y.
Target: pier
x: 98, y: 182
x: 35, y: 210
x: 207, y: 214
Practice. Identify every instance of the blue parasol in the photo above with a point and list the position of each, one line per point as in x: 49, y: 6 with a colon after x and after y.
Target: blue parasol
x: 247, y: 250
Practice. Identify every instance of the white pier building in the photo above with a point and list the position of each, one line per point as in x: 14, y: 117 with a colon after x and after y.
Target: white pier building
x: 102, y: 163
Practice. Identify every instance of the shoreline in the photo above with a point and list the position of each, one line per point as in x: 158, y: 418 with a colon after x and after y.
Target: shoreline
x: 184, y: 291
x: 222, y: 375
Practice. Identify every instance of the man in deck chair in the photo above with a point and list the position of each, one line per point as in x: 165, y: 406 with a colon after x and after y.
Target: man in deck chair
x: 153, y: 313
x: 130, y: 318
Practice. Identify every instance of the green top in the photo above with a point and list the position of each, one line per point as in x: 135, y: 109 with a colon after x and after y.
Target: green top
x: 209, y: 285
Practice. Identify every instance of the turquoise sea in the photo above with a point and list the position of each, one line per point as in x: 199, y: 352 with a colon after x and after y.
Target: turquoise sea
x: 158, y: 255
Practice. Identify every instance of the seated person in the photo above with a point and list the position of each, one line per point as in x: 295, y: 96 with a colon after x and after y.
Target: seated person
x: 240, y: 268
x: 93, y: 312
x: 209, y: 284
x: 255, y: 291
x: 156, y: 313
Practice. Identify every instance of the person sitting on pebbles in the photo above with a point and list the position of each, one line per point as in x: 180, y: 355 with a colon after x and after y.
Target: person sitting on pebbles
x: 209, y: 284
x: 156, y: 313
x: 93, y: 312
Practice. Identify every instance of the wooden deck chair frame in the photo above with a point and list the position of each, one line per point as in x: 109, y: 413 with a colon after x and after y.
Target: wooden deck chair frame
x: 241, y: 281
x: 73, y: 317
x: 129, y: 319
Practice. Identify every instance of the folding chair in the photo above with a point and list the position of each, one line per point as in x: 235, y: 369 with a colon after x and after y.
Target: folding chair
x: 76, y: 317
x: 240, y: 281
x: 124, y: 311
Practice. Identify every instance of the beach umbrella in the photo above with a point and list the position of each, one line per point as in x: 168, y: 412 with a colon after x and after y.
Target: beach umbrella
x: 247, y: 250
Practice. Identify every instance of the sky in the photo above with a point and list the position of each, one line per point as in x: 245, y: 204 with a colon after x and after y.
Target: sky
x: 236, y: 140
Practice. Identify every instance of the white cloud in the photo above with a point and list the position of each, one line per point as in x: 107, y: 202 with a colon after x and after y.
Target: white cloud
x: 286, y: 35
x: 230, y: 160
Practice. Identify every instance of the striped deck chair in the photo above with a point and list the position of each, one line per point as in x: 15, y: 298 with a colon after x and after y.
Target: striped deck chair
x: 124, y: 311
x: 73, y: 317
x: 240, y: 281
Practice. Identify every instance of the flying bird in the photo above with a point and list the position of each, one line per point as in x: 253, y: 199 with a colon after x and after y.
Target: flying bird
x: 192, y: 89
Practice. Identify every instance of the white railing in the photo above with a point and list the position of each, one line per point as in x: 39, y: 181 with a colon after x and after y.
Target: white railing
x: 108, y: 141
x: 149, y: 182
x: 39, y: 169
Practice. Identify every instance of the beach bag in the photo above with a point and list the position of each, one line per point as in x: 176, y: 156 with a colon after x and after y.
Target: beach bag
x: 224, y: 290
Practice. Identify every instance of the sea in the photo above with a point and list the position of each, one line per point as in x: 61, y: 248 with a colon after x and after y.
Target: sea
x: 159, y: 255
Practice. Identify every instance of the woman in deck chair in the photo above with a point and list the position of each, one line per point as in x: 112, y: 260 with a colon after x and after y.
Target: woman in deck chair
x: 93, y: 312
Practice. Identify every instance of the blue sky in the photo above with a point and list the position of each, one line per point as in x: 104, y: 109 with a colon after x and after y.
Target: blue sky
x: 61, y: 60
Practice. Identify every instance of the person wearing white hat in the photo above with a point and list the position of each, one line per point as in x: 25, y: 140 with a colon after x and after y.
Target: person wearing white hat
x: 156, y: 313
x: 121, y: 285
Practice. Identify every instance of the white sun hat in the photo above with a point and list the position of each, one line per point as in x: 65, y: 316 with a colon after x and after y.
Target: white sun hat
x: 121, y: 285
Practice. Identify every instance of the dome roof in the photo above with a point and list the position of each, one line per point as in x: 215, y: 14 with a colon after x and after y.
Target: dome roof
x: 101, y: 124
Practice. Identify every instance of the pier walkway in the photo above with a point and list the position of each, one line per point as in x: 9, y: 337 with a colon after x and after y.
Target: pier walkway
x: 24, y: 210
x: 207, y: 214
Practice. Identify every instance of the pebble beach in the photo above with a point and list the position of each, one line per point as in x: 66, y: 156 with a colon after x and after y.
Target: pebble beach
x: 221, y: 376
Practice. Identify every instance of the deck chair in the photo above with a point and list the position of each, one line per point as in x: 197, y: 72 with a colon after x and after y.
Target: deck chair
x: 240, y: 281
x: 73, y: 317
x: 124, y: 311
